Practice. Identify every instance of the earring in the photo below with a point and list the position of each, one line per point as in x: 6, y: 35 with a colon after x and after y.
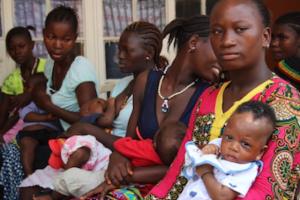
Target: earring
x: 191, y: 49
x: 147, y: 58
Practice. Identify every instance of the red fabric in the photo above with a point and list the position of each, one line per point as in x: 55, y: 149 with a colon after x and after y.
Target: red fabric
x: 55, y: 160
x: 140, y: 152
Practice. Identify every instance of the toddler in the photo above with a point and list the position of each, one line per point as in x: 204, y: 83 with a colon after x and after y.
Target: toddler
x: 227, y: 166
x: 39, y: 126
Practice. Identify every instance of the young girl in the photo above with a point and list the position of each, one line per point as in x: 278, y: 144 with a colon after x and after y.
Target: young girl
x: 285, y: 46
x: 19, y: 46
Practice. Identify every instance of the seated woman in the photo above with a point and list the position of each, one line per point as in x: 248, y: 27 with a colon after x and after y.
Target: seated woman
x: 240, y: 34
x: 135, y: 56
x: 71, y: 83
x: 285, y: 47
x: 19, y: 46
x: 163, y: 97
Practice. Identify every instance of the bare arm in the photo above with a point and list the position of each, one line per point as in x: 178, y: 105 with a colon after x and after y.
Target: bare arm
x: 81, y: 128
x: 38, y: 117
x: 147, y: 175
x: 138, y: 95
x: 216, y: 190
x: 4, y: 109
x: 84, y: 92
x: 6, y: 122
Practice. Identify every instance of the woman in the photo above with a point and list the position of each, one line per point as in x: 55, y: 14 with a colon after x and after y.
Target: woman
x: 240, y: 34
x: 67, y: 87
x: 161, y: 97
x: 139, y: 50
x: 285, y: 46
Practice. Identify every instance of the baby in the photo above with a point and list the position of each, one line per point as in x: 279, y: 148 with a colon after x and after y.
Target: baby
x: 84, y: 151
x: 143, y: 152
x: 227, y: 166
x: 99, y: 111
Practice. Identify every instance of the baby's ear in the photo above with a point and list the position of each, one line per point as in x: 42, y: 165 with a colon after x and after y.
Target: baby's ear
x: 262, y: 151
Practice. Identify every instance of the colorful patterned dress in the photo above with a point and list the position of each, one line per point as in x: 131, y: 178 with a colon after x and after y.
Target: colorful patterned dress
x: 280, y: 173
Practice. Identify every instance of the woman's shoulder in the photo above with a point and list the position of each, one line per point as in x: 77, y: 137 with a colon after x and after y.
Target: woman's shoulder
x: 284, y: 98
x: 121, y: 85
x: 283, y: 87
x: 82, y: 63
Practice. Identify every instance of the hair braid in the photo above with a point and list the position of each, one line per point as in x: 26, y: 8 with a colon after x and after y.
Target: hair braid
x: 180, y: 30
x: 150, y: 35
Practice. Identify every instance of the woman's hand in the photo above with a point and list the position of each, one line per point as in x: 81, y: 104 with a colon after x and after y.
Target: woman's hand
x: 19, y: 101
x: 101, y: 189
x: 41, y: 98
x: 119, y: 167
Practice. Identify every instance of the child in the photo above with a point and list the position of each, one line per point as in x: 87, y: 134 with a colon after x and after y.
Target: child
x: 141, y: 153
x: 234, y: 157
x: 38, y: 127
x: 98, y: 111
x: 19, y: 45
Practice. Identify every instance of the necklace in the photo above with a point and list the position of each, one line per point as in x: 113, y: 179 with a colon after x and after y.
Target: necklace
x: 165, y: 104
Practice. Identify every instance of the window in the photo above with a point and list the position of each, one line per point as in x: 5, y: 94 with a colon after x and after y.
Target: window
x: 33, y: 13
x: 187, y: 8
x: 117, y: 14
x: 100, y: 25
x: 0, y: 18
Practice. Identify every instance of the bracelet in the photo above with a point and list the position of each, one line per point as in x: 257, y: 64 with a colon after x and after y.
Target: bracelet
x: 205, y: 173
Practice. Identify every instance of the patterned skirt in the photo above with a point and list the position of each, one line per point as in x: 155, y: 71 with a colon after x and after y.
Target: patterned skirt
x: 11, y: 173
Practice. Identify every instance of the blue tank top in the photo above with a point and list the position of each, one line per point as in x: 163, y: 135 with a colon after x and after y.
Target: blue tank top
x: 147, y: 122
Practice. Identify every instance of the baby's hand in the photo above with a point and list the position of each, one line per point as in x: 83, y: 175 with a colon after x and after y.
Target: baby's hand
x: 51, y: 117
x: 111, y: 102
x: 210, y: 149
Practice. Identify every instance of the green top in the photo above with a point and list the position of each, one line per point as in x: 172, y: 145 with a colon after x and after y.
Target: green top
x: 13, y: 83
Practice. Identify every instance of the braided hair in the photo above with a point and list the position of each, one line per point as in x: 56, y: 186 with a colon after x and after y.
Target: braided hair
x: 18, y: 31
x: 151, y: 37
x: 292, y: 19
x: 63, y: 14
x: 180, y: 30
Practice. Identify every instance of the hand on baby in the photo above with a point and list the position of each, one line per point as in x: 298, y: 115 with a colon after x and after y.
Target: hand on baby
x: 51, y: 117
x: 100, y: 191
x: 210, y: 149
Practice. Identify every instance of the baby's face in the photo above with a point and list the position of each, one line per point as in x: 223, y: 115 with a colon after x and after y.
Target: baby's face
x: 243, y: 139
x: 93, y: 106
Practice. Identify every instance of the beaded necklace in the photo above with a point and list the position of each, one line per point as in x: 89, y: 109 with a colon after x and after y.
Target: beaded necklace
x: 165, y: 104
